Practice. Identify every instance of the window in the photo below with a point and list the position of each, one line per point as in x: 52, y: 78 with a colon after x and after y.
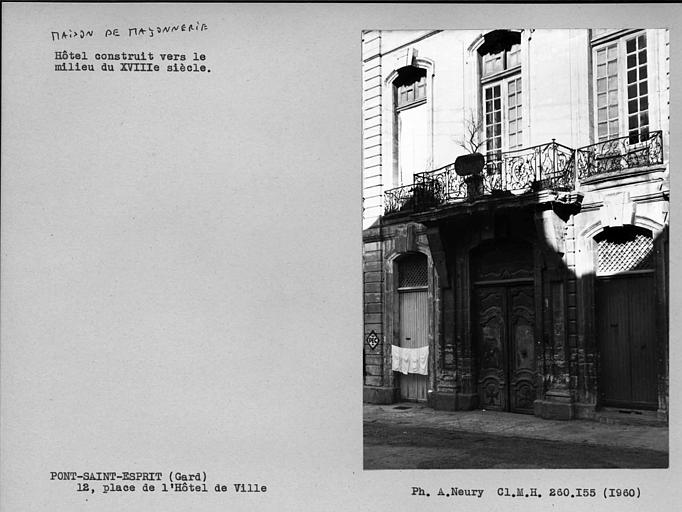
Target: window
x: 621, y: 86
x: 502, y: 60
x: 637, y: 95
x: 413, y: 272
x: 411, y: 117
x: 502, y: 109
x: 502, y: 92
x: 624, y: 249
x: 514, y: 116
x: 607, y: 92
x: 410, y: 87
x: 493, y: 118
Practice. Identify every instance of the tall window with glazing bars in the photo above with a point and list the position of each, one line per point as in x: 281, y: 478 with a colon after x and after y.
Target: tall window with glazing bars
x: 502, y: 93
x: 621, y: 85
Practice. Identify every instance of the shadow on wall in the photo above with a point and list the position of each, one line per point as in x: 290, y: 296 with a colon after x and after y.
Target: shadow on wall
x: 515, y: 326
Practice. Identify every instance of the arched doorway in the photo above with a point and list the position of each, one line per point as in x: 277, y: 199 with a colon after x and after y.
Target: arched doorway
x: 414, y: 320
x: 626, y: 317
x: 503, y: 319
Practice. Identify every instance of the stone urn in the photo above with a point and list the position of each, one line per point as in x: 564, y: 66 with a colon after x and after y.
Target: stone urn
x: 470, y: 167
x: 467, y: 165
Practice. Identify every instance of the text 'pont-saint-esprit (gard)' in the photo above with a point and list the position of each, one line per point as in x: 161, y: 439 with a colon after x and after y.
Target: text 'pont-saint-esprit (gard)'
x: 108, y: 482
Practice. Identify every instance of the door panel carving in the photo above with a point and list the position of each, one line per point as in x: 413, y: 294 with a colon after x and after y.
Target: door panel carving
x: 491, y: 335
x: 503, y: 260
x: 505, y: 323
x: 522, y: 364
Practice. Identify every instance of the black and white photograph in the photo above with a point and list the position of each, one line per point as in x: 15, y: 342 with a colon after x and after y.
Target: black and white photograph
x: 332, y: 256
x: 515, y: 248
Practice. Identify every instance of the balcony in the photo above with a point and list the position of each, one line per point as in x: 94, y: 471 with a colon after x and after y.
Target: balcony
x: 616, y: 155
x: 551, y: 166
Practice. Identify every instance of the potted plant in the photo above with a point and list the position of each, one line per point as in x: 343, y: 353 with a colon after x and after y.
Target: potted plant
x: 473, y: 162
x: 471, y: 165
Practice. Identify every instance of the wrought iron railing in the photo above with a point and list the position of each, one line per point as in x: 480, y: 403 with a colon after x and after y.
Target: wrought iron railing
x: 399, y: 198
x: 615, y: 155
x: 547, y: 166
x: 550, y: 166
x: 442, y: 185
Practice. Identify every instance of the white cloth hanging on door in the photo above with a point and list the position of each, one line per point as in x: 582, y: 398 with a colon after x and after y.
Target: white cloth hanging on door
x: 410, y: 360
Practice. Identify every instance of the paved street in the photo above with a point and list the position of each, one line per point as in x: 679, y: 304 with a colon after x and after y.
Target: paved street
x: 421, y: 438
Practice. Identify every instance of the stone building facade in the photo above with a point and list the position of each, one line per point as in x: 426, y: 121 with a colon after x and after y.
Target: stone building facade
x: 539, y: 282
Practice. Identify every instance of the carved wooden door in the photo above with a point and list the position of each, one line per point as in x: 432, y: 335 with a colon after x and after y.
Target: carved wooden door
x: 505, y: 343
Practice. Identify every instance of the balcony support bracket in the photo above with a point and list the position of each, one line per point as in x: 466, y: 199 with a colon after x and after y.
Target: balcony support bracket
x: 552, y: 217
x: 433, y: 234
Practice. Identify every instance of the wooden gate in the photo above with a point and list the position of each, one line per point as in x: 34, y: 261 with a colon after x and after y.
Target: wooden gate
x: 627, y: 341
x: 626, y: 318
x: 506, y: 348
x: 414, y: 319
x: 413, y: 334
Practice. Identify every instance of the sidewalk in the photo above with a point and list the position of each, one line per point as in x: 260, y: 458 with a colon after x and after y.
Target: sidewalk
x: 520, y: 425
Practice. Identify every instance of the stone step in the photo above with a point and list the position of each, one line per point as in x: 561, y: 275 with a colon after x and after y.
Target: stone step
x: 621, y: 416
